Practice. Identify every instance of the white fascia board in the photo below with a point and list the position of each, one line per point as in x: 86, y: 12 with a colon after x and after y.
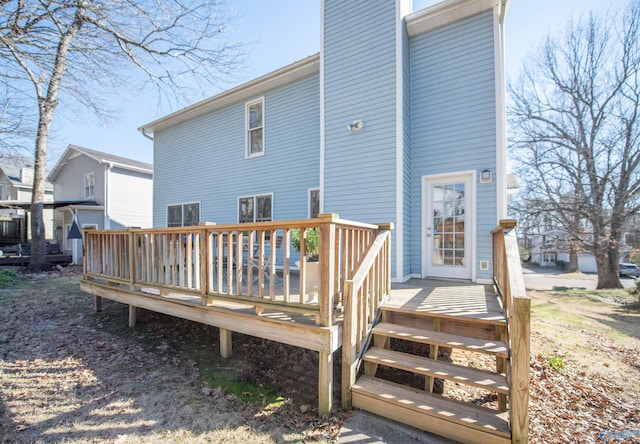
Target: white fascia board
x: 295, y: 71
x: 446, y: 12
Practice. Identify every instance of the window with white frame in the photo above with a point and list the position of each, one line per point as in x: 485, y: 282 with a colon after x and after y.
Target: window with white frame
x: 182, y: 215
x: 254, y: 123
x: 89, y: 185
x: 257, y: 208
x: 314, y: 202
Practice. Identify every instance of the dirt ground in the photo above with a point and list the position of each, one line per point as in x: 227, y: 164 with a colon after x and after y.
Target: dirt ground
x: 68, y: 374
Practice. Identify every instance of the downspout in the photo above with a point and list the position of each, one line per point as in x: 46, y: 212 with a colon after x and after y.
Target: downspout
x: 145, y: 134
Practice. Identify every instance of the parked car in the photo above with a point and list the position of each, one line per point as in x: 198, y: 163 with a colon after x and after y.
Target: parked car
x: 629, y: 270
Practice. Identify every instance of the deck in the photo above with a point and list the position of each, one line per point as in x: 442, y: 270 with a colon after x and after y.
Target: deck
x: 240, y: 278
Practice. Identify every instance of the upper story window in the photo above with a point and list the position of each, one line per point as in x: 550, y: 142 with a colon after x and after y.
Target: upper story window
x: 89, y: 185
x: 254, y: 123
x: 314, y: 202
x: 1, y: 191
x: 181, y: 215
x: 255, y: 208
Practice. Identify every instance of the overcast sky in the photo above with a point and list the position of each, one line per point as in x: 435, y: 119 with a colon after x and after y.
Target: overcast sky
x: 279, y: 32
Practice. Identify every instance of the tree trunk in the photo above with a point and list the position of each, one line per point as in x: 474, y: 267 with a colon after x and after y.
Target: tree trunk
x: 38, y: 260
x: 572, y: 266
x: 47, y: 104
x: 607, y: 262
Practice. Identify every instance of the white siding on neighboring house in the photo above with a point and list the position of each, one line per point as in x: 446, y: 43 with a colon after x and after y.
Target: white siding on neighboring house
x: 130, y: 197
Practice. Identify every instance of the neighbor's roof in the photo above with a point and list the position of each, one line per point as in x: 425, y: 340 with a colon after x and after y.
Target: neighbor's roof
x: 14, y: 176
x: 25, y: 205
x: 100, y: 157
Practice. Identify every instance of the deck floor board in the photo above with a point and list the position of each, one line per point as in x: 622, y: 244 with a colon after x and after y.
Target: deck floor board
x: 447, y: 299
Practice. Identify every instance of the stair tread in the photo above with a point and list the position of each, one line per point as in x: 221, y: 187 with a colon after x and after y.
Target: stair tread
x: 433, y: 405
x: 497, y: 348
x: 470, y: 317
x: 439, y: 369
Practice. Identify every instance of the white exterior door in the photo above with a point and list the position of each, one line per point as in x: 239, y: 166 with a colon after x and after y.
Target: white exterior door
x: 447, y: 227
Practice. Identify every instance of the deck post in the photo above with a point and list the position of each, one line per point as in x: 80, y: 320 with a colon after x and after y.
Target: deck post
x: 97, y: 303
x: 327, y: 267
x: 349, y: 352
x: 519, y: 384
x: 225, y: 343
x: 325, y: 382
x: 132, y: 316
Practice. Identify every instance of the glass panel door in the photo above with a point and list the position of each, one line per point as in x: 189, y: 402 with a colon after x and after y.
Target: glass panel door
x: 447, y: 228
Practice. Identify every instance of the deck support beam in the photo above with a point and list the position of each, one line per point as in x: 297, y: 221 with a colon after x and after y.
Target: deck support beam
x: 132, y: 316
x: 325, y: 382
x: 225, y: 343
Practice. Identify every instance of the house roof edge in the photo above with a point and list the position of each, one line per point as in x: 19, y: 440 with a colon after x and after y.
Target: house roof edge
x: 450, y: 11
x: 297, y: 70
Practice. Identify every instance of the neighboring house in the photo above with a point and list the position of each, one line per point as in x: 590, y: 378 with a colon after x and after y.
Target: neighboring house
x: 400, y: 118
x: 16, y: 185
x: 102, y: 191
x: 552, y: 248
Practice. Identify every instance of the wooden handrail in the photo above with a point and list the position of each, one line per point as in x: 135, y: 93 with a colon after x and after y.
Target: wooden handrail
x: 359, y: 306
x: 517, y: 306
x: 233, y: 261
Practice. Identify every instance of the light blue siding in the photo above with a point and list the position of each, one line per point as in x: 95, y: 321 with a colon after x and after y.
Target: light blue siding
x: 453, y: 120
x: 203, y: 160
x: 360, y: 83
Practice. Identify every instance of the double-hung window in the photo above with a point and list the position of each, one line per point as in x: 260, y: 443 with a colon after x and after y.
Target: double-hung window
x: 255, y: 208
x: 182, y: 215
x: 89, y: 185
x: 254, y: 124
x: 314, y: 202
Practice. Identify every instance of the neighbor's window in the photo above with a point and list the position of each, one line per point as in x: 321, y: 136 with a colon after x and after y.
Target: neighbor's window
x: 1, y: 191
x: 254, y: 121
x: 255, y: 208
x: 181, y: 215
x: 89, y: 184
x: 314, y: 202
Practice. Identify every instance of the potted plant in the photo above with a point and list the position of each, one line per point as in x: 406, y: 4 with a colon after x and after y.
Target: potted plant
x: 311, y: 253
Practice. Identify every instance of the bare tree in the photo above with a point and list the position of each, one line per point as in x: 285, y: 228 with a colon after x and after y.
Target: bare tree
x: 15, y: 128
x: 70, y: 52
x: 576, y: 131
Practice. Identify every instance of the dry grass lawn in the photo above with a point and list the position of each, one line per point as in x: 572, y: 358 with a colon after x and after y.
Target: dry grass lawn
x: 68, y: 374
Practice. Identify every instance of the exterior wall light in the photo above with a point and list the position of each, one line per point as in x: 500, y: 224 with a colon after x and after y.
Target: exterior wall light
x: 485, y: 176
x: 357, y: 125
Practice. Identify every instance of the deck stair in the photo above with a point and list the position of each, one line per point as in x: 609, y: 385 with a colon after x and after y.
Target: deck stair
x: 424, y: 409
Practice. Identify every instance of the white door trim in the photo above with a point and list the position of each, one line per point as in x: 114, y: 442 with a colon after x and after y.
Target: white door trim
x: 470, y: 175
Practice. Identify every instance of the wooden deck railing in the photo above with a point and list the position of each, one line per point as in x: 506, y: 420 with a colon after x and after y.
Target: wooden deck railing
x: 507, y: 272
x: 249, y: 262
x: 362, y: 295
